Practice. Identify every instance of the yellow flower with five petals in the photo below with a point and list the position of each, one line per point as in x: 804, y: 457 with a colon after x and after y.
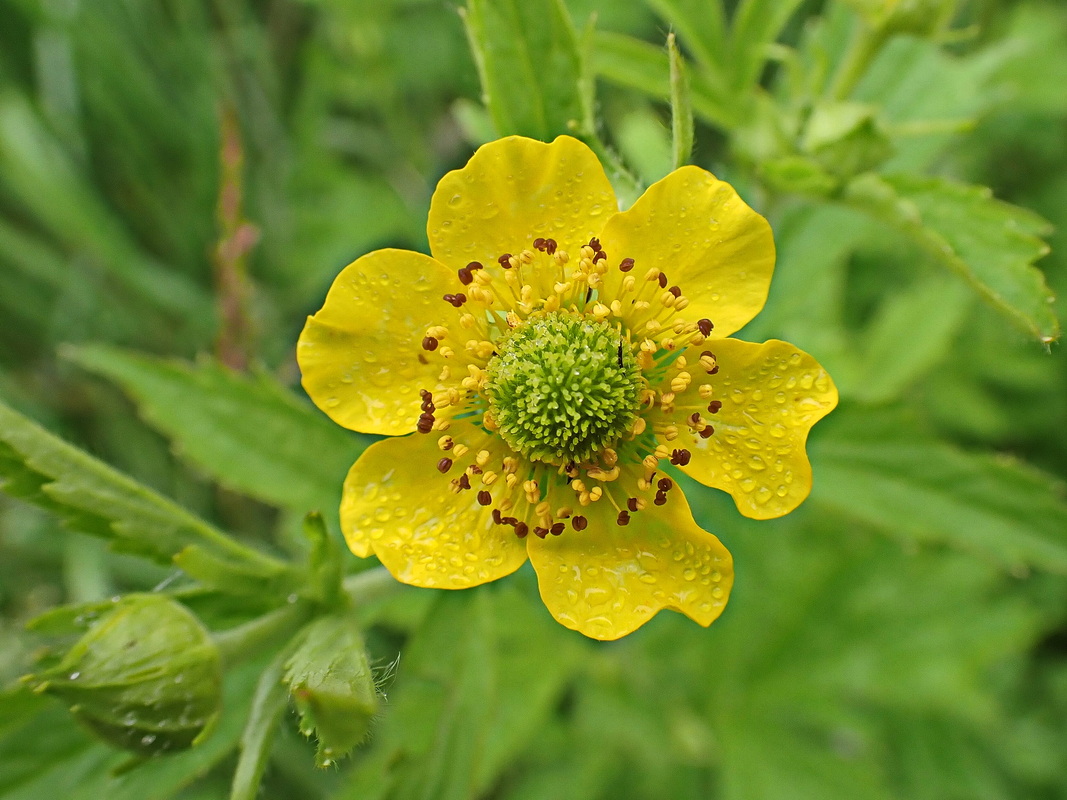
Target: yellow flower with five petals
x: 539, y: 373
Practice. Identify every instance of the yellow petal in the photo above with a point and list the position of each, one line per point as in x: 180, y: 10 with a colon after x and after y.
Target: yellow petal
x: 361, y: 356
x: 513, y: 191
x: 607, y: 580
x: 399, y: 506
x: 771, y: 395
x: 696, y: 230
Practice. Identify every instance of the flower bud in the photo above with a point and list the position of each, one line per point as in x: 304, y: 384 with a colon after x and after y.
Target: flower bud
x: 332, y: 687
x: 146, y: 676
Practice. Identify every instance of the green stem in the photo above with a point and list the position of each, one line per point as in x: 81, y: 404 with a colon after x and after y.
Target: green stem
x: 865, y: 45
x: 374, y: 584
x: 241, y: 643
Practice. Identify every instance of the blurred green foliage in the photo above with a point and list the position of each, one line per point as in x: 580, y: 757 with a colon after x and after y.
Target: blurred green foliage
x: 179, y: 183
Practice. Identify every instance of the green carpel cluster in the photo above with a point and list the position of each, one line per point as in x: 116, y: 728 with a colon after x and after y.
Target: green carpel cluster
x: 562, y: 387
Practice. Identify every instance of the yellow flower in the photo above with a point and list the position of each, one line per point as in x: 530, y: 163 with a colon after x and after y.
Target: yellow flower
x: 541, y: 370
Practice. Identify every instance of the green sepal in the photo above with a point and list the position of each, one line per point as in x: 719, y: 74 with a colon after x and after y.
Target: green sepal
x: 332, y: 687
x: 324, y: 564
x: 146, y: 676
x: 846, y: 138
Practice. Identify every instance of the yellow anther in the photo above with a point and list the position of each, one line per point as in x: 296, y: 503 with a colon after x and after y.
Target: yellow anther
x: 669, y: 344
x: 513, y: 319
x: 583, y: 498
x: 511, y: 464
x: 642, y: 305
x: 543, y: 508
x: 505, y: 504
x: 437, y: 331
x: 482, y: 458
x: 445, y: 442
x: 670, y: 433
x: 628, y: 283
x: 587, y: 253
x: 609, y: 456
x: 681, y: 303
x: 616, y: 308
x: 512, y: 278
x: 578, y: 485
x: 649, y: 346
x: 593, y: 280
x: 563, y: 512
x: 483, y: 277
x: 648, y: 397
x: 601, y: 311
x: 514, y: 262
x: 489, y: 478
x: 607, y: 476
x: 488, y: 422
x: 652, y: 274
x: 638, y: 427
x: 679, y: 363
x: 561, y: 257
x: 653, y: 326
x: 561, y: 287
x: 662, y: 451
x: 705, y: 391
x: 511, y: 479
x: 460, y: 450
x: 668, y: 299
x: 526, y: 256
x: 446, y: 373
x: 552, y: 303
x: 640, y: 503
x: 446, y: 352
x: 596, y: 493
x: 681, y: 382
x: 442, y: 425
x: 530, y: 486
x: 467, y: 320
x: 650, y: 462
x: 666, y: 398
x: 681, y: 326
x: 708, y: 362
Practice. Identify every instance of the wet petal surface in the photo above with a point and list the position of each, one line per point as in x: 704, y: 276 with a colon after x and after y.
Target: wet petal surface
x: 397, y: 505
x: 705, y: 239
x: 361, y: 355
x: 515, y: 190
x: 606, y: 581
x: 771, y: 394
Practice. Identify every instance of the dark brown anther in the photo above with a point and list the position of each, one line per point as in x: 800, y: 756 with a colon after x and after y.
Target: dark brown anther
x: 444, y: 465
x: 665, y: 484
x: 484, y: 498
x: 631, y: 504
x: 474, y: 469
x: 579, y: 522
x: 497, y: 518
x: 707, y: 432
x: 521, y: 529
x: 662, y: 280
x: 465, y: 276
x: 429, y: 343
x: 455, y: 300
x: 475, y: 265
x: 623, y: 518
x: 540, y: 532
x: 550, y: 246
x: 425, y: 423
x: 460, y: 299
x: 509, y: 520
x: 539, y: 244
x: 595, y: 244
x: 660, y: 499
x: 626, y: 265
x: 713, y: 370
x: 683, y: 457
x: 714, y: 406
x: 598, y: 255
x: 464, y: 481
x: 424, y: 393
x: 676, y: 291
x: 428, y: 406
x: 557, y: 528
x: 694, y: 417
x: 704, y: 326
x: 505, y: 261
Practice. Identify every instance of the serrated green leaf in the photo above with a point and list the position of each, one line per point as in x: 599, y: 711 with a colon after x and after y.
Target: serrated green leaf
x: 991, y: 244
x: 330, y: 681
x: 94, y: 498
x: 247, y: 432
x: 887, y: 473
x: 530, y: 67
x: 681, y: 107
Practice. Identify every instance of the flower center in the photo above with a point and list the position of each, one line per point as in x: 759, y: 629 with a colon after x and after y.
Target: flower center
x: 562, y: 387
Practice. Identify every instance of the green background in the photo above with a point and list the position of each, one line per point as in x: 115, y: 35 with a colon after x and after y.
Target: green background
x: 181, y: 181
